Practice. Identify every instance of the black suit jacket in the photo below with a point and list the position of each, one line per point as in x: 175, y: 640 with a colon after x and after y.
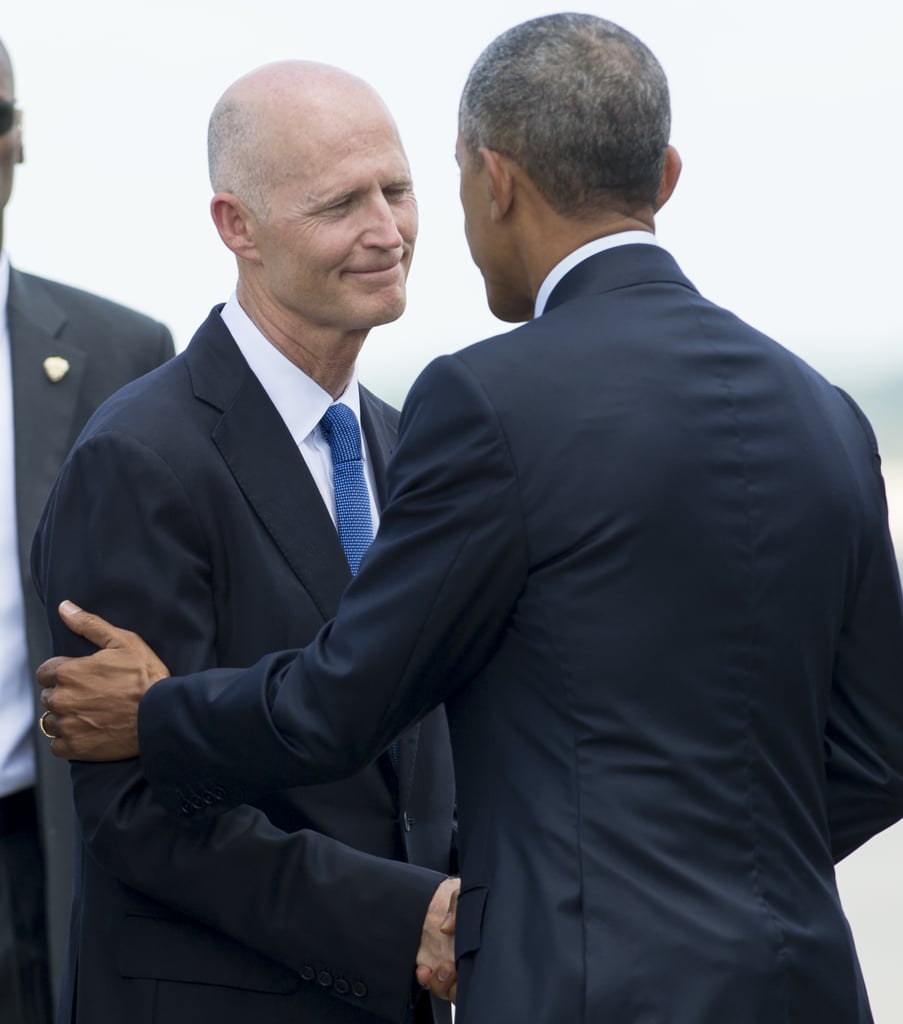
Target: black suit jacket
x: 106, y: 346
x: 186, y: 511
x: 642, y: 553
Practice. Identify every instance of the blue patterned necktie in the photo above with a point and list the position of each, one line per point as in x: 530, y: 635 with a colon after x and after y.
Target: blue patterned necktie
x: 352, y: 498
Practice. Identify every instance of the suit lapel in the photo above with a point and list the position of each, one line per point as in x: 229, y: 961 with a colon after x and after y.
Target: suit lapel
x: 43, y: 411
x: 256, y: 445
x: 380, y: 434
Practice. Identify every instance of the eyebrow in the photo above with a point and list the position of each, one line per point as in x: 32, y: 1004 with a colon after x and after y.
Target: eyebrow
x: 329, y: 199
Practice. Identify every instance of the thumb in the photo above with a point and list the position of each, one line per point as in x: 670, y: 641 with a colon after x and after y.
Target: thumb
x: 448, y: 925
x: 91, y: 627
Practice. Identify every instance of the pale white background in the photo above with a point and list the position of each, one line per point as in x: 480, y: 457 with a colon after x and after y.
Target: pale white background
x: 787, y: 114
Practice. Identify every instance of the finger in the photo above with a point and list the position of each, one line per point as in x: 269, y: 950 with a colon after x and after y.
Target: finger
x: 45, y: 676
x: 48, y: 725
x: 448, y: 925
x: 443, y: 980
x: 91, y: 627
x: 62, y: 748
x: 423, y: 974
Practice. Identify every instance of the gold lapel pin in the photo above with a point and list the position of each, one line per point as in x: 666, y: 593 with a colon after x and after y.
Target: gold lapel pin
x: 56, y: 368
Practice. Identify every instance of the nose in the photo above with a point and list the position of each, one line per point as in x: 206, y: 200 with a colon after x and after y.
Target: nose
x: 383, y: 230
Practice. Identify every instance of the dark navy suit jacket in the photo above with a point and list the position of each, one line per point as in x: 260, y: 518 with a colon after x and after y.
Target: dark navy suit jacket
x: 641, y: 552
x: 105, y: 346
x: 186, y: 511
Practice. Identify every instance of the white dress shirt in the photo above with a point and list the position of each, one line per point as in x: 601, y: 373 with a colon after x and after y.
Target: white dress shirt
x: 583, y: 253
x: 300, y: 401
x: 17, y: 755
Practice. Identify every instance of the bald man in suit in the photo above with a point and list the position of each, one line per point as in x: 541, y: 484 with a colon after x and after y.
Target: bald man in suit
x: 207, y: 489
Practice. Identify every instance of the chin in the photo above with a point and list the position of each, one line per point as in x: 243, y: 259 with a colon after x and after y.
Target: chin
x: 513, y: 309
x: 388, y: 312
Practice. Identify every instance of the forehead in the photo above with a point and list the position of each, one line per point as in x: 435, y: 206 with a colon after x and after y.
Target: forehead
x: 350, y: 153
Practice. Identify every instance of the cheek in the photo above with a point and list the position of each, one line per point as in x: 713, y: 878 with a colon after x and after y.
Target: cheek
x: 407, y: 220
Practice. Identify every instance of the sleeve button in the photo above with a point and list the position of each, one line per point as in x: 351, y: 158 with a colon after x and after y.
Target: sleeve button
x: 307, y: 973
x: 324, y: 978
x: 342, y: 987
x: 359, y: 989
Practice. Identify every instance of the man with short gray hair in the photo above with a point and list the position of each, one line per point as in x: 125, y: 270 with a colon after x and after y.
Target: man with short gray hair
x: 641, y: 553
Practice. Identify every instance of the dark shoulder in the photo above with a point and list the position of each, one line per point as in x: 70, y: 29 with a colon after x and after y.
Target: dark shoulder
x: 86, y: 316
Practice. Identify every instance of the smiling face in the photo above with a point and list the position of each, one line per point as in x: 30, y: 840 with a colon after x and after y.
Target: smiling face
x: 333, y: 244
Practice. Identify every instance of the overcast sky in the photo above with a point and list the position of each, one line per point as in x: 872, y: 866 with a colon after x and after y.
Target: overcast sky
x: 786, y: 115
x: 786, y: 112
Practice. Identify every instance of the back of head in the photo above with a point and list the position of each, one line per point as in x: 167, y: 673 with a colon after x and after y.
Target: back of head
x: 580, y: 104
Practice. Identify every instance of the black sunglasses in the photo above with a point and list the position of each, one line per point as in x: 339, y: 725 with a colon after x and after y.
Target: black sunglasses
x: 7, y: 115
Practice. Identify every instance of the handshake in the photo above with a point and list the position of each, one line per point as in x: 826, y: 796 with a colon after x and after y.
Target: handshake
x: 436, y: 956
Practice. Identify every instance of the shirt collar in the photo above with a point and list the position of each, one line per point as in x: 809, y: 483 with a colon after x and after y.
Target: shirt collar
x: 299, y: 399
x: 584, y: 252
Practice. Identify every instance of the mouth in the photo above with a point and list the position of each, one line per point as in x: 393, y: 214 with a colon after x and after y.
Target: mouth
x: 379, y: 275
x: 376, y: 271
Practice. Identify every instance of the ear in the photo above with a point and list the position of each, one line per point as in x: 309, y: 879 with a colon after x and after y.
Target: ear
x: 20, y: 146
x: 235, y: 224
x: 500, y: 170
x: 670, y: 174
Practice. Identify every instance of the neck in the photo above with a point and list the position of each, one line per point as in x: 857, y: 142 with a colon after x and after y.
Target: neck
x: 326, y: 355
x: 559, y: 236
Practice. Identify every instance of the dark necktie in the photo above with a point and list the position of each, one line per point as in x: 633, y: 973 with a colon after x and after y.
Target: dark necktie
x: 352, y: 498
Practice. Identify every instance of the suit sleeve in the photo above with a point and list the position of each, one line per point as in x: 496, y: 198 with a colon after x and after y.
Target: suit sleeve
x: 420, y: 620
x: 120, y: 537
x: 864, y: 728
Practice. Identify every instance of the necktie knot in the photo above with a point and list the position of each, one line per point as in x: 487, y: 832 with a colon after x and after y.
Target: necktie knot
x: 352, y: 496
x: 340, y: 427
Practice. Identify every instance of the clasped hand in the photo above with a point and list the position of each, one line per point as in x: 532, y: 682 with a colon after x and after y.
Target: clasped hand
x: 92, y: 702
x: 436, y: 957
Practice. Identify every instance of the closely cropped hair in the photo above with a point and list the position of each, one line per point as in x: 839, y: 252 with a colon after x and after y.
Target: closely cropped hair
x: 579, y: 103
x: 234, y: 158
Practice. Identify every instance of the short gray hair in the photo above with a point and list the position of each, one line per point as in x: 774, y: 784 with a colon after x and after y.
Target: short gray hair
x: 236, y: 159
x: 579, y: 103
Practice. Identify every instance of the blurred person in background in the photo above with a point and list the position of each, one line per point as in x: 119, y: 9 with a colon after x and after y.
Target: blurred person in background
x: 62, y: 352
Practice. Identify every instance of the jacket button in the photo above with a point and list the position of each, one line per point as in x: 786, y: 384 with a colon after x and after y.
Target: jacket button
x: 308, y: 973
x: 359, y: 989
x: 324, y: 978
x: 342, y: 987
